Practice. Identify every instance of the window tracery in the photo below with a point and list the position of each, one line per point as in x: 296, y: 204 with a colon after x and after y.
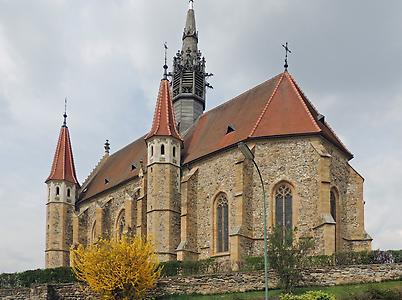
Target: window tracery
x: 222, y: 223
x: 283, y: 206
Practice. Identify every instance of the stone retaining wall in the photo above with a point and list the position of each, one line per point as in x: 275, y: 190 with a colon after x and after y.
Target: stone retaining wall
x: 218, y: 283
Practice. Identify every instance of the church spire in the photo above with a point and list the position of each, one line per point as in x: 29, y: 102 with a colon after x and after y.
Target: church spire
x: 189, y: 76
x: 63, y: 167
x: 164, y: 123
x: 190, y: 34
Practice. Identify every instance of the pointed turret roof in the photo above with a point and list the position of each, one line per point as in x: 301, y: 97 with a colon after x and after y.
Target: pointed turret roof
x: 164, y: 123
x: 63, y: 162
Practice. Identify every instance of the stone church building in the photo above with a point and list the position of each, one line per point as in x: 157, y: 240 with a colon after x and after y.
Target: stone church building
x: 186, y: 184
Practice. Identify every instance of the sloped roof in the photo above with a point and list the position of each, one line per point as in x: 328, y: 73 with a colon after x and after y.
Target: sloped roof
x: 164, y: 123
x: 274, y: 108
x: 63, y: 162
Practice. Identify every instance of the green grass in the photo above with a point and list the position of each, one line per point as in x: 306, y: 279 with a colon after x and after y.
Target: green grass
x: 340, y: 291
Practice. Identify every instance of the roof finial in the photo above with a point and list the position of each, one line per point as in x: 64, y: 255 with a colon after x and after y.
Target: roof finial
x: 165, y: 67
x: 286, y: 56
x: 65, y: 113
x: 107, y: 147
x: 191, y: 4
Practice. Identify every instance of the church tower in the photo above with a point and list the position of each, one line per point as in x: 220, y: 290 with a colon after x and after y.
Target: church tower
x: 189, y: 77
x: 62, y: 186
x: 163, y: 176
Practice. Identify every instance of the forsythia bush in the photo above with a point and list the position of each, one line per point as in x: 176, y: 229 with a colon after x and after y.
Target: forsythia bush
x: 311, y: 295
x: 121, y: 268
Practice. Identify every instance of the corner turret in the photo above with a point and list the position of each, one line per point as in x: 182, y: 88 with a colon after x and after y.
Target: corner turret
x: 163, y: 176
x: 62, y: 193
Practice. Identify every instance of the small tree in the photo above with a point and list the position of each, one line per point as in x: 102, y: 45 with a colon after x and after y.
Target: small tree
x: 121, y: 268
x: 288, y: 256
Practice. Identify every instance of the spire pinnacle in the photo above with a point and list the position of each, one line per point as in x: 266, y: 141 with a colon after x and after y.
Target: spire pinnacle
x: 65, y: 113
x: 165, y: 66
x: 191, y: 4
x: 107, y: 147
x: 286, y: 56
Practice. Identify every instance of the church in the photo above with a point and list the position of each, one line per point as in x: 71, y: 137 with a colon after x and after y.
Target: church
x: 186, y: 185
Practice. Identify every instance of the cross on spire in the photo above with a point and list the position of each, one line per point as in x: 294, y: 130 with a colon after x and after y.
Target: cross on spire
x: 165, y: 67
x: 65, y: 113
x: 286, y: 56
x: 191, y: 4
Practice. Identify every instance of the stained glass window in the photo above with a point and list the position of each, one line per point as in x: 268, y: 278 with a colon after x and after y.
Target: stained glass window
x: 222, y: 223
x: 283, y: 206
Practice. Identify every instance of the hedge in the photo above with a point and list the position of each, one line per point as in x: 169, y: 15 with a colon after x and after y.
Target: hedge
x: 311, y: 295
x: 175, y: 268
x: 28, y: 278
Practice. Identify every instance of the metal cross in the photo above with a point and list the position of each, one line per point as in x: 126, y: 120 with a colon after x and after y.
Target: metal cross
x: 165, y: 66
x: 166, y: 49
x: 65, y: 112
x: 286, y: 56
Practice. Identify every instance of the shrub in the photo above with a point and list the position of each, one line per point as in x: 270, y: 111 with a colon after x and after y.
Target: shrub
x: 253, y: 263
x: 311, y: 295
x: 120, y: 268
x: 288, y: 256
x: 379, y: 294
x: 28, y: 278
x: 397, y: 255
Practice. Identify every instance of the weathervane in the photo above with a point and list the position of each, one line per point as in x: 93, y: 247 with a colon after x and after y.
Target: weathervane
x: 65, y: 112
x: 165, y: 67
x: 286, y: 56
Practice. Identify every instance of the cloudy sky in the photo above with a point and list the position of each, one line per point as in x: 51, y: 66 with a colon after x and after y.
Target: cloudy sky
x: 106, y: 56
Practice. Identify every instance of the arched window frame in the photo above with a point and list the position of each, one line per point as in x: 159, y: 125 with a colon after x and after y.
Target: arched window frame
x: 57, y: 191
x: 152, y: 151
x: 163, y: 149
x: 68, y: 192
x: 120, y: 225
x: 221, y: 223
x: 93, y: 233
x: 334, y: 208
x: 288, y: 214
x: 174, y: 151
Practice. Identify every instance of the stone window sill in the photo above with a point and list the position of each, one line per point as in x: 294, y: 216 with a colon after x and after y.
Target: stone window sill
x: 221, y: 254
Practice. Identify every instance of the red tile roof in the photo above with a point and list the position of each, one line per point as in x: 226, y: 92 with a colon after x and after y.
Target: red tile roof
x: 117, y: 168
x: 63, y: 163
x: 275, y: 108
x: 164, y: 123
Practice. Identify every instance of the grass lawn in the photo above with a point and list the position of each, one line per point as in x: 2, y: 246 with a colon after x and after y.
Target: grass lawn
x: 340, y: 291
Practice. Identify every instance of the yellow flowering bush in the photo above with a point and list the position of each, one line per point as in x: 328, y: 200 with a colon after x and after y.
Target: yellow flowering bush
x: 120, y: 268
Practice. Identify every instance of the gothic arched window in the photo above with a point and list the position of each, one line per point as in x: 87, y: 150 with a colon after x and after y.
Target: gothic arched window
x: 68, y: 192
x: 152, y: 151
x: 332, y: 200
x: 121, y: 223
x: 222, y: 223
x: 174, y: 151
x: 283, y: 206
x: 162, y: 149
x: 57, y: 191
x: 93, y: 233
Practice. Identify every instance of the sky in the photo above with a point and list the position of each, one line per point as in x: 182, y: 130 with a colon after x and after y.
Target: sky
x: 106, y: 57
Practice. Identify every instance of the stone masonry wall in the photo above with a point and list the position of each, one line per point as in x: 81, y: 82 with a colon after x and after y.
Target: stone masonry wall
x: 293, y: 160
x: 219, y: 283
